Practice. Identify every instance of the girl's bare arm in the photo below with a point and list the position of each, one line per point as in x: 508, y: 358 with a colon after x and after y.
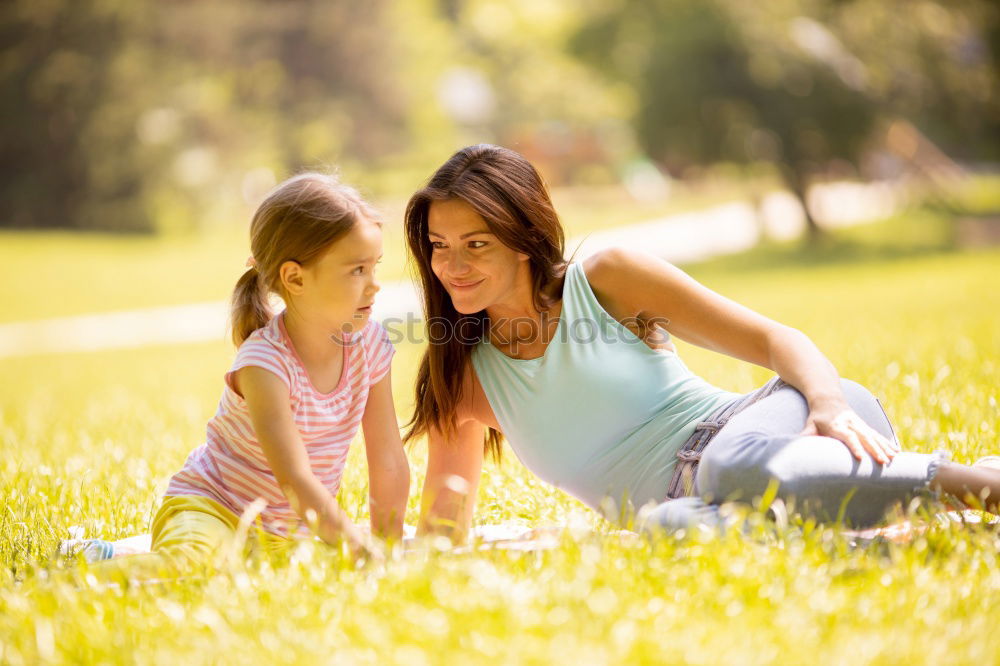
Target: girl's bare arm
x: 388, y: 469
x: 274, y: 424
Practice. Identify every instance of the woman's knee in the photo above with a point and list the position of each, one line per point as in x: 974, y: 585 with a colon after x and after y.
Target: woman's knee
x: 867, y: 406
x: 855, y: 392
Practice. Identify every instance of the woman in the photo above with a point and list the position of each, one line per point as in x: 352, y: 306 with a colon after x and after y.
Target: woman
x: 573, y: 364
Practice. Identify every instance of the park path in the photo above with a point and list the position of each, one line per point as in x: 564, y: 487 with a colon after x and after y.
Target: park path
x: 682, y: 238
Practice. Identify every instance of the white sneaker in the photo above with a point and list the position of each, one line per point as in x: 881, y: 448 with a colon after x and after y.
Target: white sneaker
x: 93, y: 550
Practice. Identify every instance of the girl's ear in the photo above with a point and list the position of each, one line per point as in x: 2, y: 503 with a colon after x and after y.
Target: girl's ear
x: 290, y: 274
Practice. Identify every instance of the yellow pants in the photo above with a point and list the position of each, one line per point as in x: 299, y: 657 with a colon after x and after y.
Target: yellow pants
x: 188, y: 532
x: 198, y: 527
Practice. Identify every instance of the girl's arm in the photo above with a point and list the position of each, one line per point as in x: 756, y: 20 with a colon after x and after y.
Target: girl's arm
x: 388, y: 470
x: 642, y: 284
x: 266, y: 397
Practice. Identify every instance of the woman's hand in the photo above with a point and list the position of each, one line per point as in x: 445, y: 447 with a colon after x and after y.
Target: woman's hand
x: 835, y: 418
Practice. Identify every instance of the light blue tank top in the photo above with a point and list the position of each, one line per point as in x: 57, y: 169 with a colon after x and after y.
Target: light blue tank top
x: 600, y: 414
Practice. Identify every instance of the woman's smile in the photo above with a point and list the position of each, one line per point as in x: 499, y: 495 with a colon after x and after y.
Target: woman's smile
x: 464, y: 285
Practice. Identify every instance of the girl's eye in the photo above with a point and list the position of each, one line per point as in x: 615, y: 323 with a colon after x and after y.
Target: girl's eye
x: 360, y: 270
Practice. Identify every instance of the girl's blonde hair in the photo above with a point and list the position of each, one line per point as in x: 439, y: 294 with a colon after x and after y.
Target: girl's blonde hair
x: 297, y: 222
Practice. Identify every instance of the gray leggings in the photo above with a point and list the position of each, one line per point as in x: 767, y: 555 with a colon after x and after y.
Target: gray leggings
x: 761, y: 444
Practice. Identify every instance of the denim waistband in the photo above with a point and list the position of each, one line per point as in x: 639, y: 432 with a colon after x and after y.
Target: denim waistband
x: 683, y: 481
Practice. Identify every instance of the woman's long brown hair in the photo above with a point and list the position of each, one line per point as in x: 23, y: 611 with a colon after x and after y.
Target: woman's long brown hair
x: 507, y: 192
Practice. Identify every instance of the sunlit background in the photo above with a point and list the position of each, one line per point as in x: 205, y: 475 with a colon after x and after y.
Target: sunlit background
x: 162, y: 124
x: 833, y: 164
x: 172, y: 117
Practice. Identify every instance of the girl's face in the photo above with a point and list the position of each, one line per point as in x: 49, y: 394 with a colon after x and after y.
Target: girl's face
x: 337, y: 290
x: 475, y: 268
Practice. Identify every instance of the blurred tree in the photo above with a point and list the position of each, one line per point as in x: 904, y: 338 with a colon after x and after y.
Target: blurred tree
x: 782, y: 82
x: 67, y: 138
x: 319, y: 74
x: 708, y: 92
x: 146, y: 115
x: 939, y: 69
x: 510, y: 78
x: 143, y: 115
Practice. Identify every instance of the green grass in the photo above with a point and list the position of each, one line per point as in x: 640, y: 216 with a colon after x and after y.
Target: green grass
x: 91, y: 439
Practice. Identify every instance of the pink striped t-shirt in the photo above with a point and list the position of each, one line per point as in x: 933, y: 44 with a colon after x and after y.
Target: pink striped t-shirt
x: 230, y: 467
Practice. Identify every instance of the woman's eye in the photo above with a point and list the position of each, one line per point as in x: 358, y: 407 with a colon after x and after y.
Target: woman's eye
x: 437, y: 245
x: 475, y: 245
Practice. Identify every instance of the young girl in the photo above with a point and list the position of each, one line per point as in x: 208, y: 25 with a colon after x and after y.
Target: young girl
x: 302, y: 382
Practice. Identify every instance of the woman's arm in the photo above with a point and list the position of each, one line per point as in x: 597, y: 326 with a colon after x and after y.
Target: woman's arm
x: 388, y: 469
x: 454, y: 466
x: 641, y: 284
x: 267, y: 401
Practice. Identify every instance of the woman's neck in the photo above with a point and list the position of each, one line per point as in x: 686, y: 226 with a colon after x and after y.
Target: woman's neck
x: 520, y: 327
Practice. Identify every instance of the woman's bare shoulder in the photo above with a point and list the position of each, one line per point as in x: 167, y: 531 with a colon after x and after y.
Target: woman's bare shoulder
x: 615, y: 275
x: 616, y: 268
x: 611, y: 275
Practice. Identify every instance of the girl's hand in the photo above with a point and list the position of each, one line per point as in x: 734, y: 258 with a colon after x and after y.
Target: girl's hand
x: 363, y: 545
x: 836, y: 419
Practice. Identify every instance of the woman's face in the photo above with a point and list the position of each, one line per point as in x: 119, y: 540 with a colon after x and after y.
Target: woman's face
x: 475, y: 268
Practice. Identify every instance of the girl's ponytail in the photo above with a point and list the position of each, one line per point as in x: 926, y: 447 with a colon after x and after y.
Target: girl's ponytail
x: 248, y: 307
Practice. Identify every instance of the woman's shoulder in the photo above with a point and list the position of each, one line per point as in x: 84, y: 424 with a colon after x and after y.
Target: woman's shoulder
x: 613, y: 267
x: 628, y: 276
x: 626, y: 283
x: 605, y: 275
